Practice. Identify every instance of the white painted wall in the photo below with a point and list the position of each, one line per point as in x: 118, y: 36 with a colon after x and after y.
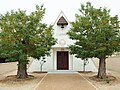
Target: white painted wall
x: 60, y: 33
x: 35, y: 65
x: 78, y: 64
x: 75, y: 64
x: 63, y: 42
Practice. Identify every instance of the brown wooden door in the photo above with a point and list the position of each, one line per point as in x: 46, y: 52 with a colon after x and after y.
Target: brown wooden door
x: 62, y: 60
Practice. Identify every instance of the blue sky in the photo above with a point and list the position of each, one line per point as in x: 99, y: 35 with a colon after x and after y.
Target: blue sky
x: 54, y: 7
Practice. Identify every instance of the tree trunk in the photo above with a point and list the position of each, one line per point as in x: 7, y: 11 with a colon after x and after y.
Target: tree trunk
x: 41, y: 68
x: 22, y: 70
x: 102, y: 68
x: 84, y: 66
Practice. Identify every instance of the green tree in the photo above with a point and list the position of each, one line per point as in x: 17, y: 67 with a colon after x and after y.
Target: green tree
x: 24, y: 36
x: 97, y: 35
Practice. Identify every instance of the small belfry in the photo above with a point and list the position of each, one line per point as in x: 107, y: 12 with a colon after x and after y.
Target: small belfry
x: 62, y: 22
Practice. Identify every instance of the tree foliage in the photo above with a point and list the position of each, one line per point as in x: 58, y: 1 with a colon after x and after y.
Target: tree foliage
x: 96, y: 33
x: 24, y: 36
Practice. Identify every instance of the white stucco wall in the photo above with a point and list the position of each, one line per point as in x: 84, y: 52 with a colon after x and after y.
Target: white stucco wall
x: 47, y: 66
x: 63, y: 42
x: 75, y: 64
x: 60, y: 33
x: 78, y: 64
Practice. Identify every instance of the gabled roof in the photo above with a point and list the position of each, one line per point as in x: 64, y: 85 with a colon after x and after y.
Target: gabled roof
x: 62, y: 21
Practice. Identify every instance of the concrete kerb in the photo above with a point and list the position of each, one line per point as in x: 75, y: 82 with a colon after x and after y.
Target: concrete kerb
x: 40, y: 81
x: 89, y: 82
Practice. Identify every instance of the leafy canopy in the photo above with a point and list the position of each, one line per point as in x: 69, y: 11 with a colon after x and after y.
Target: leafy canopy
x: 96, y: 33
x: 25, y: 35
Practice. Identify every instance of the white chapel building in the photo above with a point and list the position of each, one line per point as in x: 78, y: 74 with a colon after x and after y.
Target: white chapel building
x: 60, y: 58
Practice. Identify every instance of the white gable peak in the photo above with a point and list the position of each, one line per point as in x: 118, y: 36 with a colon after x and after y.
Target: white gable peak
x: 59, y: 16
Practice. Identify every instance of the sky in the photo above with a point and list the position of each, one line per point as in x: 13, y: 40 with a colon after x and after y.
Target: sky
x: 54, y: 7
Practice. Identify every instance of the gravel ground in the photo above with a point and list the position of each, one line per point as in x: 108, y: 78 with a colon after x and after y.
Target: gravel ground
x: 29, y: 84
x: 113, y: 68
x: 58, y: 82
x: 8, y: 69
x: 112, y: 85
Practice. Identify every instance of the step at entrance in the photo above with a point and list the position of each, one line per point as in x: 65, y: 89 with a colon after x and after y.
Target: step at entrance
x: 63, y: 71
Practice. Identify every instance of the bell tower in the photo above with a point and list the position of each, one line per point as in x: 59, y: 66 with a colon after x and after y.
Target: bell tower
x: 62, y: 22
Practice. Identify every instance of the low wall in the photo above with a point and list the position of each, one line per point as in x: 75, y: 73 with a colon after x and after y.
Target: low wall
x: 112, y: 63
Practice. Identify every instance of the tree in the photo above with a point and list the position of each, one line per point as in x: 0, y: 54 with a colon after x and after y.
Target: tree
x: 24, y: 36
x: 42, y: 62
x: 85, y: 62
x: 97, y: 35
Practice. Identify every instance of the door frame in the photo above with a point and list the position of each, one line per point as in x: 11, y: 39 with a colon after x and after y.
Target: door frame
x: 54, y: 58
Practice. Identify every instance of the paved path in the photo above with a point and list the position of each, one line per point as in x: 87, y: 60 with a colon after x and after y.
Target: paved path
x: 64, y: 82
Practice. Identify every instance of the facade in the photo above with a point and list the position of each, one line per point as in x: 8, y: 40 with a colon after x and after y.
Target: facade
x: 60, y: 58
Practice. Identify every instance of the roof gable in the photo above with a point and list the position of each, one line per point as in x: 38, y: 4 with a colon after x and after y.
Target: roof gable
x: 61, y: 19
